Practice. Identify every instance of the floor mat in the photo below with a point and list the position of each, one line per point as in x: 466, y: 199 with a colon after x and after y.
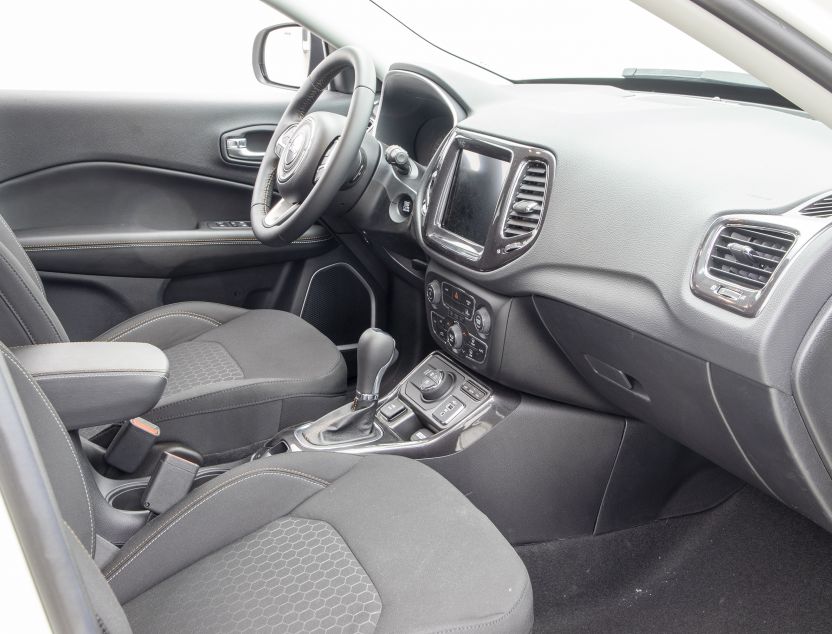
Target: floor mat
x: 747, y: 565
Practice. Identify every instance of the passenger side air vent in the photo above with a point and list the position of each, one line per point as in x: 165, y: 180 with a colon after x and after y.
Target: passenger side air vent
x: 747, y: 255
x: 821, y: 208
x: 527, y: 200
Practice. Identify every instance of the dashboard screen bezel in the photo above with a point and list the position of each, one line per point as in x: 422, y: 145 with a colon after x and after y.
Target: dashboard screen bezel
x: 498, y: 249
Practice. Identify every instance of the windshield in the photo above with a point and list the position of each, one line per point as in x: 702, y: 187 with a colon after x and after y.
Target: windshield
x: 562, y: 39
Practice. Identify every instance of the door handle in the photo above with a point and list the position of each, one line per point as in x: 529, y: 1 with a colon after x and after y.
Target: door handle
x: 237, y: 148
x: 246, y: 146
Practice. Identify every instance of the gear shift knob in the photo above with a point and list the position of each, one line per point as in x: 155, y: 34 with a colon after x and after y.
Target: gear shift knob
x: 376, y: 352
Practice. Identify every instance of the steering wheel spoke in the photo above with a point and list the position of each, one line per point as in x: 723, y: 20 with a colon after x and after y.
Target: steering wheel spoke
x: 312, y: 154
x: 279, y: 213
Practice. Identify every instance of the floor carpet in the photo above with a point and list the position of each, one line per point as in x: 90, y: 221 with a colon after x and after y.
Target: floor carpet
x: 748, y: 565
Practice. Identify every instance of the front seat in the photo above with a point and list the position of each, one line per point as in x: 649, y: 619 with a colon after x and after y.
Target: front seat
x: 299, y: 542
x: 236, y: 375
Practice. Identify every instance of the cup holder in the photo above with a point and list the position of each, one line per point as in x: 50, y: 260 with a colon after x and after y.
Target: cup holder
x: 129, y: 496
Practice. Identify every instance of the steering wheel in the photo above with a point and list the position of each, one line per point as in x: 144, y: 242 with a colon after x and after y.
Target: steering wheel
x: 311, y: 155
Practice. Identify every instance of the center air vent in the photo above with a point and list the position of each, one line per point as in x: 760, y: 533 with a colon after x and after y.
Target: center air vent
x: 821, y: 208
x: 528, y: 200
x: 748, y: 256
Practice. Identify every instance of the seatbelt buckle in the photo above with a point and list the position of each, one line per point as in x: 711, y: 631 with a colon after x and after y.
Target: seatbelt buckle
x: 131, y: 445
x: 170, y: 482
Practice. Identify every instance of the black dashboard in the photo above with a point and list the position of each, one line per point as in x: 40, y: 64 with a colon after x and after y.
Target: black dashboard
x: 662, y: 256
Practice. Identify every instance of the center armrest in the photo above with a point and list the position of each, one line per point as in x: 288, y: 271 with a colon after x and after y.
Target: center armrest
x: 94, y: 383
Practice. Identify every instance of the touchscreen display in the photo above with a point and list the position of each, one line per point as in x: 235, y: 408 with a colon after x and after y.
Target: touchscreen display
x: 476, y: 191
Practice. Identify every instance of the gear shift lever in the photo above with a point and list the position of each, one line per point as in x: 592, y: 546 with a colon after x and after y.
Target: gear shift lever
x: 354, y: 421
x: 376, y: 352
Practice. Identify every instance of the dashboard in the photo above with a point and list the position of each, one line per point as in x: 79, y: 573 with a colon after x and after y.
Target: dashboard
x: 665, y: 257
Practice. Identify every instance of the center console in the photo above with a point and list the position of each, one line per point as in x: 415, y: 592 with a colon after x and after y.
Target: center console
x: 437, y: 409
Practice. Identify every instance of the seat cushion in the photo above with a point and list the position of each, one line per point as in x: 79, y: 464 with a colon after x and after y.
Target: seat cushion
x: 236, y: 376
x: 312, y: 541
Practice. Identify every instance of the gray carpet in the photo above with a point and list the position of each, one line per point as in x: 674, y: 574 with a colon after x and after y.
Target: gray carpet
x: 748, y: 565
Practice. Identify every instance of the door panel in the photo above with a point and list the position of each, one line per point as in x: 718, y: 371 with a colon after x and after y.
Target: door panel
x: 117, y: 219
x: 114, y: 198
x: 43, y: 128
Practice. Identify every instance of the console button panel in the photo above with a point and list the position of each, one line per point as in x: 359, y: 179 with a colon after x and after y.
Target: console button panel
x: 462, y: 398
x: 460, y: 321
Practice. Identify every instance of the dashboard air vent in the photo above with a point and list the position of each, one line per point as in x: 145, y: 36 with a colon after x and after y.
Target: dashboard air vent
x: 747, y: 255
x: 821, y: 208
x: 527, y: 200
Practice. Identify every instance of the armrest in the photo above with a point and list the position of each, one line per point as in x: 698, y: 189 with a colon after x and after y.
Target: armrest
x: 94, y: 383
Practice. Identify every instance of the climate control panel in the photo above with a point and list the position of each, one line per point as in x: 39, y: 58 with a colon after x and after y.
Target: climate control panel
x: 459, y: 320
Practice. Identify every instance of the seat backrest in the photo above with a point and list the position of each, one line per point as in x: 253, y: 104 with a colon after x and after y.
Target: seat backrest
x: 25, y: 314
x: 72, y: 490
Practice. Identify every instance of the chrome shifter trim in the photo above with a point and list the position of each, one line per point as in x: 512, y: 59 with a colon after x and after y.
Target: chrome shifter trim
x: 363, y: 401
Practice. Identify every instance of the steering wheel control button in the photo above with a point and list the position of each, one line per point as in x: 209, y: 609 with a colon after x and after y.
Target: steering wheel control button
x: 393, y: 409
x: 482, y: 320
x: 449, y: 410
x: 432, y: 293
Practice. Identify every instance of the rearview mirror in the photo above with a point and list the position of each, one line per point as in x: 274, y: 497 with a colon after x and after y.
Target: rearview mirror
x: 282, y: 55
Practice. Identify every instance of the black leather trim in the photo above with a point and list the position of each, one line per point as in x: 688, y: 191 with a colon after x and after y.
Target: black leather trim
x: 94, y: 383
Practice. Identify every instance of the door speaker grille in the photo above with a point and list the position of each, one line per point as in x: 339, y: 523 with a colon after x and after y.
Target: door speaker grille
x: 339, y: 303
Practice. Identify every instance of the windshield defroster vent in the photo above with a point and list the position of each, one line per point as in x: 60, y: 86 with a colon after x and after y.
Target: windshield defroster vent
x: 821, y: 208
x: 527, y: 200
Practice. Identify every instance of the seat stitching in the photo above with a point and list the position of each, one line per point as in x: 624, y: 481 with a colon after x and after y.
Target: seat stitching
x: 116, y: 568
x: 61, y: 426
x: 229, y: 408
x: 27, y: 263
x: 31, y: 294
x: 17, y: 316
x: 242, y: 387
x: 96, y: 372
x: 98, y: 375
x: 210, y: 320
x: 502, y: 617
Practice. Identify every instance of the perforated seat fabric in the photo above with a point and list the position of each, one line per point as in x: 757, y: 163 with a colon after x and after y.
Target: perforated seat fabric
x: 237, y: 375
x: 298, y: 542
x: 323, y: 542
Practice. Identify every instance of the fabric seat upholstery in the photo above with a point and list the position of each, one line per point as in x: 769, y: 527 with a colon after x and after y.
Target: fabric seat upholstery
x: 293, y: 543
x: 237, y: 375
x: 237, y: 372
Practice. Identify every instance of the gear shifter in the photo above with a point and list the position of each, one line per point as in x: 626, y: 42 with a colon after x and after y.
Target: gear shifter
x: 354, y: 421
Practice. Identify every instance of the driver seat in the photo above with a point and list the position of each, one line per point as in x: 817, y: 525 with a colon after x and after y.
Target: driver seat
x: 236, y: 375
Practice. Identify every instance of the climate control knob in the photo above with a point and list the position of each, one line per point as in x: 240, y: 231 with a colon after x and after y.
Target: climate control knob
x: 433, y: 292
x: 454, y: 337
x: 482, y: 320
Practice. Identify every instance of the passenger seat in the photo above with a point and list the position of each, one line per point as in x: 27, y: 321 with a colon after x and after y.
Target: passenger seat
x: 291, y: 543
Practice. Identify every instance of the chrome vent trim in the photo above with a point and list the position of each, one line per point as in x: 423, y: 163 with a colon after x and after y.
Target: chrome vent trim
x: 528, y: 199
x: 748, y: 255
x: 742, y: 257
